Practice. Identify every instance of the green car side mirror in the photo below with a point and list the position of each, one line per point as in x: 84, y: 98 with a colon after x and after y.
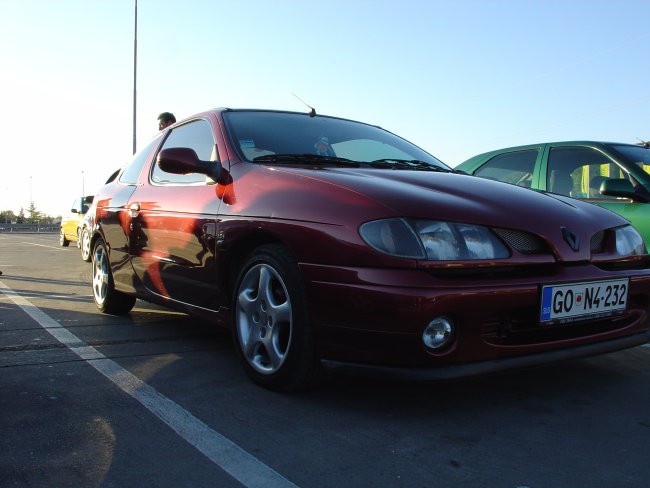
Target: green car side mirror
x: 621, y: 187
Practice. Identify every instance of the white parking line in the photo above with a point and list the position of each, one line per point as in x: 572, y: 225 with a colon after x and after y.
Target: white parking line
x: 242, y: 466
x: 43, y: 245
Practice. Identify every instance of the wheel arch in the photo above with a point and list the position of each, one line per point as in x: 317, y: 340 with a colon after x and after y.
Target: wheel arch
x: 95, y: 235
x: 242, y: 249
x: 294, y: 348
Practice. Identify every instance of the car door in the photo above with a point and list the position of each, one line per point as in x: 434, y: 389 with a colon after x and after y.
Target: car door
x: 113, y: 218
x: 173, y: 224
x: 69, y: 223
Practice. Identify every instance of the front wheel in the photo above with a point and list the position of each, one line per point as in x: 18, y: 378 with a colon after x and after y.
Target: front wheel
x: 85, y: 245
x: 63, y: 242
x: 272, y: 332
x: 107, y: 298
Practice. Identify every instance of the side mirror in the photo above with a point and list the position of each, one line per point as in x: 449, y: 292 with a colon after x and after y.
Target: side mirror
x: 183, y: 160
x: 74, y: 210
x: 621, y: 187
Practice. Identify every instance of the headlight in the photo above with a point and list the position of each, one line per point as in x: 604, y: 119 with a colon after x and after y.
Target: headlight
x: 434, y: 240
x: 629, y: 242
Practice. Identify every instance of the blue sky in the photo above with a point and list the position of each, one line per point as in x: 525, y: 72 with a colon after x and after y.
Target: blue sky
x: 455, y: 77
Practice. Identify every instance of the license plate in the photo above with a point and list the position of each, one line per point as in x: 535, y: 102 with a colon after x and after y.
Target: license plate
x: 575, y: 301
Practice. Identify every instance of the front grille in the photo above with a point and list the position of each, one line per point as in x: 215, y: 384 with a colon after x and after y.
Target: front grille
x: 523, y: 242
x: 520, y: 326
x: 598, y: 242
x: 519, y: 333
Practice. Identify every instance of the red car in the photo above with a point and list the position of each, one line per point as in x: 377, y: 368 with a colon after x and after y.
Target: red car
x: 327, y: 242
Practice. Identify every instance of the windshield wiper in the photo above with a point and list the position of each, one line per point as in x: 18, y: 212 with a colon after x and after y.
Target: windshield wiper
x: 414, y: 164
x: 386, y: 163
x: 305, y: 158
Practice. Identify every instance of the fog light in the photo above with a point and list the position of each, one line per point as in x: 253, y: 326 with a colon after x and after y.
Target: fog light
x: 437, y: 333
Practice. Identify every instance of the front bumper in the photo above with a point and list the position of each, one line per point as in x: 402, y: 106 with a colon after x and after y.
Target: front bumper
x: 374, y: 318
x: 438, y: 373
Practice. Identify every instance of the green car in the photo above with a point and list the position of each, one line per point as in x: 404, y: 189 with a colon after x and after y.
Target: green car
x: 612, y: 175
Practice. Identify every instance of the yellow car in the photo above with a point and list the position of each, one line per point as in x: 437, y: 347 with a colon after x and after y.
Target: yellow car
x: 72, y: 223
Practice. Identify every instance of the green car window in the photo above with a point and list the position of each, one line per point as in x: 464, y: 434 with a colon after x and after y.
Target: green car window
x: 579, y: 171
x: 513, y: 167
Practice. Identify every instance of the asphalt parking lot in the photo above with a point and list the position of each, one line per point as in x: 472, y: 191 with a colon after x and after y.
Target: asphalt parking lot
x: 157, y: 399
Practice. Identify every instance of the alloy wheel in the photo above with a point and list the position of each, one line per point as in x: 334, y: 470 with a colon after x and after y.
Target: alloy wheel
x: 264, y: 318
x: 85, y: 245
x: 100, y: 274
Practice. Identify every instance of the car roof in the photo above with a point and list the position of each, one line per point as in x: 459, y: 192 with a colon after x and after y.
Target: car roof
x: 230, y: 109
x: 554, y: 143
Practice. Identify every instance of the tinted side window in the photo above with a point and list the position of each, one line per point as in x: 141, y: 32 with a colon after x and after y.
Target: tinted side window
x: 513, y: 167
x: 579, y: 171
x: 132, y: 171
x: 196, y: 135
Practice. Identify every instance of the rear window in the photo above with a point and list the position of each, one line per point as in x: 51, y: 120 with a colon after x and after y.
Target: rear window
x: 132, y: 171
x: 513, y: 167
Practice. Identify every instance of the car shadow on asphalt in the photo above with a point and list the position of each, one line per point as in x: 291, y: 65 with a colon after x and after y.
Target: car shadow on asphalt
x: 14, y: 278
x: 581, y: 382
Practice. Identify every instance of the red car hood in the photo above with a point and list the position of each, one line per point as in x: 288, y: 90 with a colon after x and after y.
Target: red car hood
x: 462, y: 198
x: 444, y: 196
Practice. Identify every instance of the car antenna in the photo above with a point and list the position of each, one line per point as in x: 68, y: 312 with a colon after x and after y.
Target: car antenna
x: 312, y: 110
x: 641, y: 143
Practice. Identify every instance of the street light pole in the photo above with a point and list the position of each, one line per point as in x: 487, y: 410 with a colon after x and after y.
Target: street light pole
x: 135, y: 65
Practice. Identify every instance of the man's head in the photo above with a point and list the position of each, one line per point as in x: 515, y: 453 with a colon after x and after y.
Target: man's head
x: 166, y: 119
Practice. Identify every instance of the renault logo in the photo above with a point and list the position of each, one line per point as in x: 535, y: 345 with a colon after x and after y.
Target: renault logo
x: 571, y: 239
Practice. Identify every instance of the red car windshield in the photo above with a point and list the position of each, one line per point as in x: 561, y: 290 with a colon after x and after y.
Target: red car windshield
x: 260, y: 135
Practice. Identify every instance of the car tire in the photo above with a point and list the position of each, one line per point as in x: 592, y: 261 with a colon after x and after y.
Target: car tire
x: 86, y: 255
x: 107, y: 298
x: 63, y: 242
x: 272, y: 332
x: 79, y: 238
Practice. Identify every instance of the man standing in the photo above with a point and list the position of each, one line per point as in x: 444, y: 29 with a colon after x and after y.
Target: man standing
x: 166, y: 119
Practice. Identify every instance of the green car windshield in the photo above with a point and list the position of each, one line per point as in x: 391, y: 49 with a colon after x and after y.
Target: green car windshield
x: 638, y: 157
